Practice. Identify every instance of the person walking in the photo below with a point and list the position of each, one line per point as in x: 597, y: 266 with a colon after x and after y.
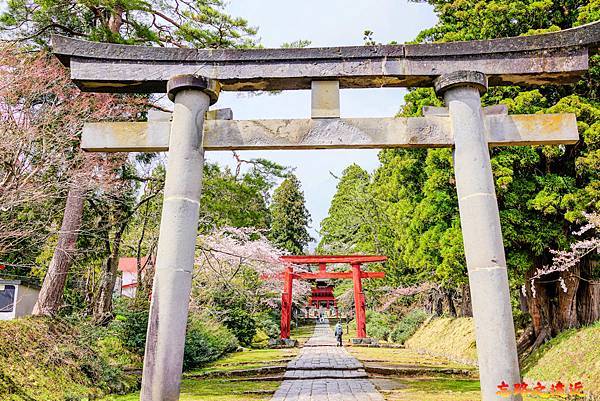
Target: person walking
x: 339, y: 331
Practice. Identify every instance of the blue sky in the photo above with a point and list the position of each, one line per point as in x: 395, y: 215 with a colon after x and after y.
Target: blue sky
x: 324, y: 23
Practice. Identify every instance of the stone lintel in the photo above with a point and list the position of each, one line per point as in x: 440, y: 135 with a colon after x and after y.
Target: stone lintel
x: 350, y: 133
x: 551, y: 58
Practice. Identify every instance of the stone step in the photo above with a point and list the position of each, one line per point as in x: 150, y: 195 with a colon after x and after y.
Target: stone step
x: 326, y: 367
x: 325, y: 374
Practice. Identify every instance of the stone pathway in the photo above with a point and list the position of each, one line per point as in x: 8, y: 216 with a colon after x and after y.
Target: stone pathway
x: 324, y: 372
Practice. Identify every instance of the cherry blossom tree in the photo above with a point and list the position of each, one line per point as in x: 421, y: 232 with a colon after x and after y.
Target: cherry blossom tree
x: 229, y: 253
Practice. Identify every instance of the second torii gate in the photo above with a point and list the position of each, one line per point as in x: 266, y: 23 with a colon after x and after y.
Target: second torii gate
x: 356, y: 274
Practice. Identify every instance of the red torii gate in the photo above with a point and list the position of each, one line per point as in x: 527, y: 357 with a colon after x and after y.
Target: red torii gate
x: 356, y: 274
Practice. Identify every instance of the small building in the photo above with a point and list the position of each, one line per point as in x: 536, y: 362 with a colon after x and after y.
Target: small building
x: 322, y: 301
x: 127, y: 285
x: 17, y: 299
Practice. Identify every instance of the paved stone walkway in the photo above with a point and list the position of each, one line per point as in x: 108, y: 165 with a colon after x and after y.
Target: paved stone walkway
x: 324, y: 372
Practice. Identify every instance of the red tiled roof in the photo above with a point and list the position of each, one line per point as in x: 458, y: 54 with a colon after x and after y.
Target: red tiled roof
x: 129, y: 265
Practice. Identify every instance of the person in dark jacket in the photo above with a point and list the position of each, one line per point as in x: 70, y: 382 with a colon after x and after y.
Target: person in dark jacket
x: 339, y: 331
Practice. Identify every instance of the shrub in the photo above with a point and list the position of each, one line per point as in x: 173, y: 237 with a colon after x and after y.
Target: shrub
x: 241, y: 323
x: 379, y: 325
x: 268, y: 322
x: 131, y: 324
x: 206, y: 341
x: 407, y: 326
x: 260, y: 340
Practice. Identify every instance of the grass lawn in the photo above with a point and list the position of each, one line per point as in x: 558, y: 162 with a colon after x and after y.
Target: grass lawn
x: 225, y: 389
x: 250, y: 359
x: 302, y: 333
x: 572, y: 356
x: 215, y: 390
x: 390, y: 357
x: 436, y: 389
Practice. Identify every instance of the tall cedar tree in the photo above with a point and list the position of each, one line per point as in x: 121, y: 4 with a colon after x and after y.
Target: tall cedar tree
x: 180, y: 23
x: 289, y: 217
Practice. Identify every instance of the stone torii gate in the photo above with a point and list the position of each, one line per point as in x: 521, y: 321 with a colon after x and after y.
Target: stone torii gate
x: 459, y: 71
x: 356, y: 275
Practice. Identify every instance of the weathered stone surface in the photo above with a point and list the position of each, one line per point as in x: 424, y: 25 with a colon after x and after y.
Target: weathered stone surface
x: 325, y: 99
x: 558, y: 57
x: 429, y: 131
x: 365, y: 341
x: 461, y: 78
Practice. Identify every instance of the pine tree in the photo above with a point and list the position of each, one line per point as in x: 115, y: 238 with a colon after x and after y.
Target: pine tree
x: 290, y: 219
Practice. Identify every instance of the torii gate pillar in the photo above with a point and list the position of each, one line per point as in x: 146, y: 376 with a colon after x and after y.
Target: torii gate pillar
x: 359, y: 302
x: 163, y: 359
x: 286, y: 302
x: 482, y: 236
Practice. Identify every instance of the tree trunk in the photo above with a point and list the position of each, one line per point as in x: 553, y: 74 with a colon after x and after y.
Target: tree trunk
x: 50, y: 298
x: 567, y: 300
x: 103, y: 304
x: 466, y: 309
x: 438, y: 303
x: 588, y: 294
x: 553, y: 309
x: 540, y: 309
x: 449, y: 294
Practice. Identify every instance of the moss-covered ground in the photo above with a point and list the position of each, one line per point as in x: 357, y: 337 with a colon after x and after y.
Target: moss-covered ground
x: 52, y: 360
x: 230, y: 388
x: 400, y: 357
x: 437, y: 389
x: 571, y: 357
x: 249, y: 359
x: 303, y: 332
x: 217, y: 390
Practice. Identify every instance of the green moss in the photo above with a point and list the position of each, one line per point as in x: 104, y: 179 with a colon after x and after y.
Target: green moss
x: 47, y: 360
x: 249, y: 359
x: 443, y: 384
x: 303, y: 332
x: 217, y: 390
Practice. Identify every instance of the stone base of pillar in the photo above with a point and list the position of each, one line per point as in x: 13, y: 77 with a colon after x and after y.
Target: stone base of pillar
x: 282, y: 343
x: 364, y: 341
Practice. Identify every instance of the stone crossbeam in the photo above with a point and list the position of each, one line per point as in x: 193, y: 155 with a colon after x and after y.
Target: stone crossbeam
x: 551, y: 58
x: 344, y: 133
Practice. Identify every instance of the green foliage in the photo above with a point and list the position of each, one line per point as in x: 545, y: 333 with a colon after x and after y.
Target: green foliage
x: 542, y: 190
x: 379, y: 325
x: 407, y: 326
x: 343, y: 230
x: 235, y: 312
x: 241, y: 323
x: 289, y: 217
x: 199, y: 23
x: 131, y: 324
x: 206, y: 340
x: 235, y: 200
x: 268, y: 323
